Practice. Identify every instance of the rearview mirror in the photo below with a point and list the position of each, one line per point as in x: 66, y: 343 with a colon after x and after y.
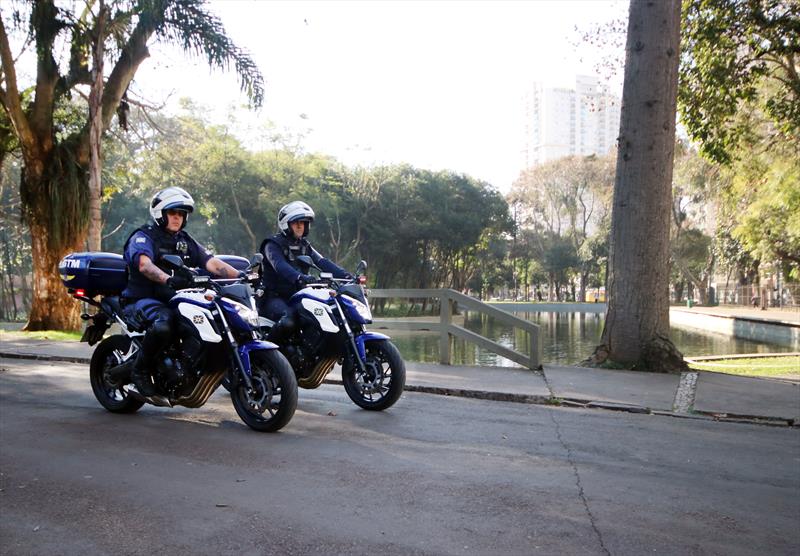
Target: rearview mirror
x: 255, y: 261
x: 173, y: 261
x: 308, y: 261
x: 362, y: 266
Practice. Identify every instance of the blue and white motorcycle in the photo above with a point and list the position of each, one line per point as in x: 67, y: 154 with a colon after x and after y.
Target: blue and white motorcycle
x: 216, y: 338
x: 331, y: 318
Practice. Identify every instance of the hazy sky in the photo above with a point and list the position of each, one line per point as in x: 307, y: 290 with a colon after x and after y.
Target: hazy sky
x: 435, y: 84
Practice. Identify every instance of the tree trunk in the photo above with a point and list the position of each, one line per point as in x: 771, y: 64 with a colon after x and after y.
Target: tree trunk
x: 636, y: 332
x: 96, y: 135
x: 52, y: 309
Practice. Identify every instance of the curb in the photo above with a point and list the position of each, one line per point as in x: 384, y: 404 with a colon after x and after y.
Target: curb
x: 514, y: 398
x: 43, y: 357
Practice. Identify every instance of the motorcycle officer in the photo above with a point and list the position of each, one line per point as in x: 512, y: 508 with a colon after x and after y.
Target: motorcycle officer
x: 282, y: 274
x: 149, y: 284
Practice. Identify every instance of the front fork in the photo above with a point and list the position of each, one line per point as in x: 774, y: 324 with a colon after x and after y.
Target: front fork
x: 358, y: 343
x: 241, y: 353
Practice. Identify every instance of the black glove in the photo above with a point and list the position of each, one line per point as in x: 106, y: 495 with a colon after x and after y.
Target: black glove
x: 242, y: 275
x: 178, y: 282
x: 304, y: 279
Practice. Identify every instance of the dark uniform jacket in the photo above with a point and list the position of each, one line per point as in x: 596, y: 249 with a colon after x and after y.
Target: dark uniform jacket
x: 156, y: 242
x: 281, y: 269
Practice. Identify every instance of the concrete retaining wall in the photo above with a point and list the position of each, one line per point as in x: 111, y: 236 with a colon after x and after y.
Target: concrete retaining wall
x: 781, y: 333
x: 551, y: 307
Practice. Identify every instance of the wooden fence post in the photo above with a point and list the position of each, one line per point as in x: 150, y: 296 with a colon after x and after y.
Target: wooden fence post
x: 445, y: 312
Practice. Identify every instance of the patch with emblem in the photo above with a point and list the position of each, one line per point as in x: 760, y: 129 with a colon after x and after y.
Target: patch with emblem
x: 141, y: 239
x: 182, y: 246
x: 198, y: 319
x: 318, y: 312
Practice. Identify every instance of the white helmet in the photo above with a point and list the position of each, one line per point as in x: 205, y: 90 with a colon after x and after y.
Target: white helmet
x: 170, y: 198
x: 294, y: 211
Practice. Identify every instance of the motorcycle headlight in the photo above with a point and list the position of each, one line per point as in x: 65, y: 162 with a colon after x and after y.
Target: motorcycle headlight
x: 362, y: 309
x: 246, y: 313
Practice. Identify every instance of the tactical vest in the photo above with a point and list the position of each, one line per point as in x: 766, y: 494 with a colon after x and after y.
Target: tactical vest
x: 274, y: 283
x: 164, y: 243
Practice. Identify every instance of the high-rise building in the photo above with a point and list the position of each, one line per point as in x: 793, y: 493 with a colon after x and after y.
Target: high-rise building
x: 560, y: 122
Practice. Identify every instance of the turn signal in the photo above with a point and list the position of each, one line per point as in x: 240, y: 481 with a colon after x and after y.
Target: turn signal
x: 362, y: 280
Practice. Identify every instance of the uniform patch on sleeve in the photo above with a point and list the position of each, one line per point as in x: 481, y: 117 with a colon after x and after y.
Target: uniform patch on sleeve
x: 140, y: 239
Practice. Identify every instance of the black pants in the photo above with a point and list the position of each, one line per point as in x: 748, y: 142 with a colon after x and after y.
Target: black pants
x: 158, y: 321
x: 275, y: 308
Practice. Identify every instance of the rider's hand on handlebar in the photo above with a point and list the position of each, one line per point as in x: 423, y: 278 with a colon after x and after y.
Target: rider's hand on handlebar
x: 242, y: 275
x: 305, y: 279
x: 178, y: 282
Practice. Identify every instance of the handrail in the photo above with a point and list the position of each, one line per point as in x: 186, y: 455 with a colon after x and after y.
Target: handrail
x: 448, y: 330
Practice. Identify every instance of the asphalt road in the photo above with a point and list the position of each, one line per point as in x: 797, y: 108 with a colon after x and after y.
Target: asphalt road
x: 433, y: 475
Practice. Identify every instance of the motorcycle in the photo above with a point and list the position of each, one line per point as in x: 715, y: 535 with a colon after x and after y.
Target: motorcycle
x: 215, y: 339
x: 331, y: 318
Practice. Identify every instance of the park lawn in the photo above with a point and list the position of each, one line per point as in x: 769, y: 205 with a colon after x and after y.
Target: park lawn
x: 778, y: 366
x: 41, y: 335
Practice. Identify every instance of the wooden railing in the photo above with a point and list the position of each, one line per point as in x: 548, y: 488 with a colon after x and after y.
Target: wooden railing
x: 447, y: 330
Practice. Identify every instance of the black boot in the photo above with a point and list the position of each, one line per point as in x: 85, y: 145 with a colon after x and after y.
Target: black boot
x: 155, y: 340
x: 141, y: 379
x: 282, y: 329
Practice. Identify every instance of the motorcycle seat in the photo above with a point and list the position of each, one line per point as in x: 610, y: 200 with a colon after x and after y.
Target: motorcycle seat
x: 113, y: 304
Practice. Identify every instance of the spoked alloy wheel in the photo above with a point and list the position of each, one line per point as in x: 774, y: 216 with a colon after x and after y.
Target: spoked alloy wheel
x: 110, y: 394
x: 272, y: 402
x: 381, y: 383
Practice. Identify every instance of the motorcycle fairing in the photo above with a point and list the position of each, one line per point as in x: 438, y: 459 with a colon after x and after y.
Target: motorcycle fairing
x: 322, y: 294
x: 356, y: 310
x: 321, y: 312
x: 254, y: 345
x: 201, y: 319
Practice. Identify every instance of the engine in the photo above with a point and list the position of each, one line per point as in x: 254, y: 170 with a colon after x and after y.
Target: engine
x: 181, y: 366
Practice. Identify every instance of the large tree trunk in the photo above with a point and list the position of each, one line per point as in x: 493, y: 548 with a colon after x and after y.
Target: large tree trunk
x: 636, y: 332
x: 96, y: 134
x: 57, y: 228
x: 53, y: 309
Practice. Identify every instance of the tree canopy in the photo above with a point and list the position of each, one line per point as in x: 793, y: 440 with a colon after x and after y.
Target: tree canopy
x: 55, y: 151
x: 729, y: 49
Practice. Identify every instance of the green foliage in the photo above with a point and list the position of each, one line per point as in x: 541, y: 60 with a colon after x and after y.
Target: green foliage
x: 778, y: 366
x: 728, y: 48
x: 58, y: 142
x: 565, y: 206
x: 416, y: 228
x: 187, y: 24
x: 765, y: 196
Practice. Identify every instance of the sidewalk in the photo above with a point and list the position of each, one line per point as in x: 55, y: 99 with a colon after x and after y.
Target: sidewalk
x: 695, y: 394
x: 788, y: 316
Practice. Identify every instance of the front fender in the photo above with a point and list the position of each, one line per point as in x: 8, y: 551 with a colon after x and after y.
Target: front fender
x: 255, y: 345
x: 366, y: 337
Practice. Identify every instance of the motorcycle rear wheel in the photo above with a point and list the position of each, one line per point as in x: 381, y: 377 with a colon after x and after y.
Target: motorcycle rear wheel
x: 382, y: 384
x: 273, y: 401
x: 106, y: 356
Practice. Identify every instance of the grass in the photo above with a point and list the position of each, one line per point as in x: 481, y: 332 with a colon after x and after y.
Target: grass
x: 777, y: 366
x: 41, y: 335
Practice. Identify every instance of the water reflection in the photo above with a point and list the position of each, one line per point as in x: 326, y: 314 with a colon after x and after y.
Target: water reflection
x: 567, y: 338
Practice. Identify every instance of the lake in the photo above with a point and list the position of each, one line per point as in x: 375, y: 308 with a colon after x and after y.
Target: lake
x: 567, y: 339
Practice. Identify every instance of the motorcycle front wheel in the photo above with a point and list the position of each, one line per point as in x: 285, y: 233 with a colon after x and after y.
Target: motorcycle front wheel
x: 272, y: 402
x: 109, y: 392
x: 381, y: 383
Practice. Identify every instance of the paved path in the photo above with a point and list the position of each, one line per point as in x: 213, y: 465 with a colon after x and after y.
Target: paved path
x: 697, y: 394
x: 432, y: 476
